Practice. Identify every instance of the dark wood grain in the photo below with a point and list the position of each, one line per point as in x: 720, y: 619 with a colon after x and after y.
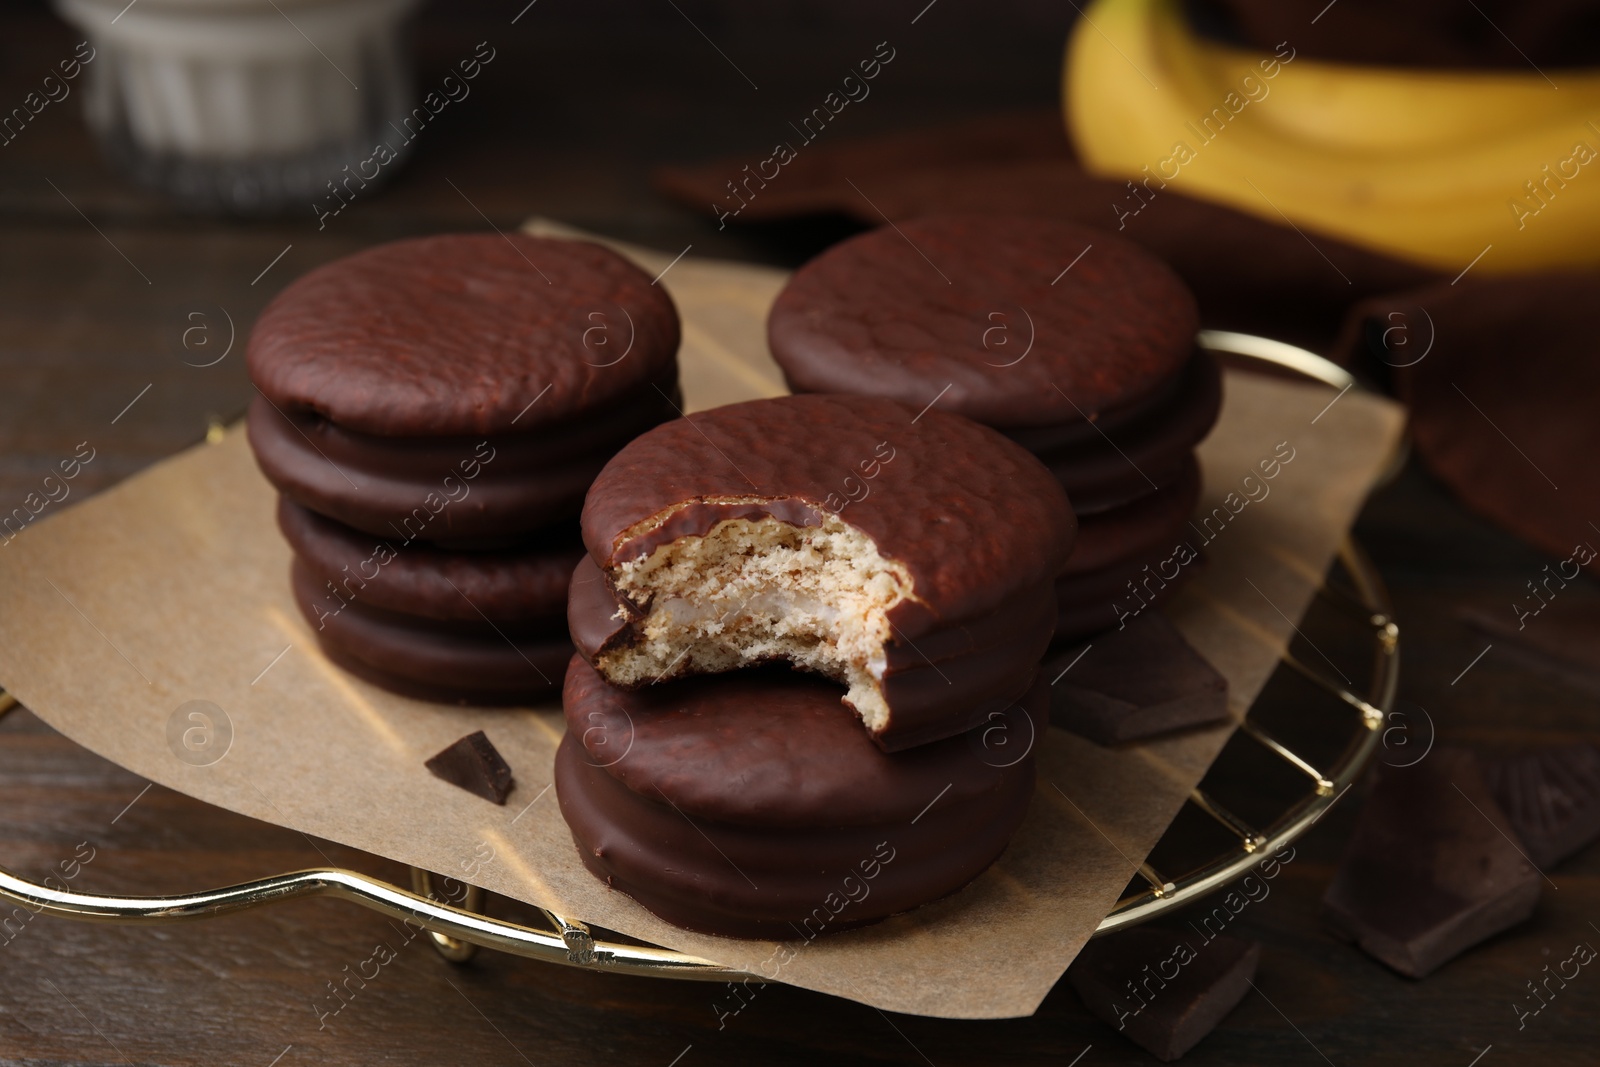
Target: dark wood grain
x: 579, y: 103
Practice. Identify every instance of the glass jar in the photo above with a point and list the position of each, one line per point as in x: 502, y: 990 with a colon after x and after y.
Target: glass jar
x: 246, y: 106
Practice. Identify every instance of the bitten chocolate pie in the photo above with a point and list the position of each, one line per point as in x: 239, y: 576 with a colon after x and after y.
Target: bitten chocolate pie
x: 908, y: 556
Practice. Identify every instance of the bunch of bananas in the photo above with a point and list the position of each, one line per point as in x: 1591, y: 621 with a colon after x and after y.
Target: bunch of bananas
x: 1438, y: 168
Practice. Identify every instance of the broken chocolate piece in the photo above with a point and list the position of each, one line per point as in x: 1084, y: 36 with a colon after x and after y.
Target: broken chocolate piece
x: 475, y: 765
x: 1135, y: 683
x: 1164, y: 989
x: 1552, y: 797
x: 1432, y: 869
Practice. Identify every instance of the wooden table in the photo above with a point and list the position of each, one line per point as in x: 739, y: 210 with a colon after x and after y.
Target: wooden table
x: 96, y: 279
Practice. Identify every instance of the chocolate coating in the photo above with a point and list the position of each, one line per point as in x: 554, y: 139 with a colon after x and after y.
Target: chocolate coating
x: 770, y: 880
x: 463, y: 333
x: 1155, y: 521
x: 1120, y: 489
x: 770, y: 748
x: 526, y: 584
x: 1142, y: 451
x: 444, y: 488
x: 874, y: 315
x: 1056, y: 435
x: 972, y: 516
x: 428, y: 658
x: 1177, y: 400
x: 1100, y: 600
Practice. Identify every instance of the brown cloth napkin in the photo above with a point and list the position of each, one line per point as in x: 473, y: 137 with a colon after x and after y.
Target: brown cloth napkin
x: 1248, y: 274
x: 1503, y: 384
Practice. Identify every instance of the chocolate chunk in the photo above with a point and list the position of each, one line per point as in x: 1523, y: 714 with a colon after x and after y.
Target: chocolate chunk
x: 1135, y: 683
x: 1433, y: 867
x: 475, y: 765
x: 1552, y: 797
x: 1164, y: 989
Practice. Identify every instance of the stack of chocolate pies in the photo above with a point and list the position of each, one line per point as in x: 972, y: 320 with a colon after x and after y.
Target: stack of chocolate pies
x: 432, y: 412
x: 1075, y: 344
x: 807, y: 690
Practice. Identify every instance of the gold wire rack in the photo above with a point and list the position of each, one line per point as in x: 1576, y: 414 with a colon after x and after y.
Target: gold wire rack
x: 458, y: 931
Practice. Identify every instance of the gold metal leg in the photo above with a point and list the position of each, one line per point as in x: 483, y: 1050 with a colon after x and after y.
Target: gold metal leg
x: 452, y: 949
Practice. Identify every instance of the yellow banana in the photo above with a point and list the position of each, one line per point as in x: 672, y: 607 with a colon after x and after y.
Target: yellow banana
x: 1427, y: 166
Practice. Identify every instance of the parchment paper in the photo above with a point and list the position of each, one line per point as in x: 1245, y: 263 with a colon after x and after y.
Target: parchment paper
x: 173, y: 587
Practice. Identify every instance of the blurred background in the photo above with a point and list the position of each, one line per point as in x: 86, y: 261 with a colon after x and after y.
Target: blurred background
x: 577, y: 106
